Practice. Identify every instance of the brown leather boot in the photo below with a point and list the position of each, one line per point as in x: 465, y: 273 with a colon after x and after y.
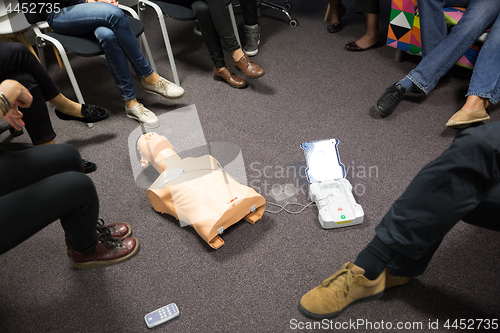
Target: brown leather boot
x: 248, y: 67
x: 109, y: 251
x: 232, y: 79
x: 115, y: 230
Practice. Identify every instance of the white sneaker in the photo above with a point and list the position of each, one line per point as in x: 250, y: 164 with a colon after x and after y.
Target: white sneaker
x: 143, y: 115
x: 165, y: 88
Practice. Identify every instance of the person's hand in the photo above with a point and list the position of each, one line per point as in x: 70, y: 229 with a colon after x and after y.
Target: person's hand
x: 18, y: 96
x: 14, y: 118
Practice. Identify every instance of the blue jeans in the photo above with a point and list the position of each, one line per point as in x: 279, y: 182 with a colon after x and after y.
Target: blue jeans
x: 485, y: 80
x: 480, y: 14
x: 433, y: 28
x: 110, y: 26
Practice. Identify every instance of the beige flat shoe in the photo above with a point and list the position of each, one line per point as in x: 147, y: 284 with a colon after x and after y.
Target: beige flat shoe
x: 463, y: 119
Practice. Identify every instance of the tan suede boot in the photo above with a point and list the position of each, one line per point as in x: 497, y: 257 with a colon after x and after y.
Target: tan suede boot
x: 346, y: 287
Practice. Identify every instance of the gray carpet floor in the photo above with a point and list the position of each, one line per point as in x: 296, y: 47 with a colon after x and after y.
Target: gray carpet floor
x: 312, y: 90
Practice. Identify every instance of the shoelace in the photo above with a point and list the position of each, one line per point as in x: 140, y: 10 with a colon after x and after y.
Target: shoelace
x: 109, y: 241
x: 141, y: 108
x: 102, y: 229
x: 347, y: 281
x: 162, y: 83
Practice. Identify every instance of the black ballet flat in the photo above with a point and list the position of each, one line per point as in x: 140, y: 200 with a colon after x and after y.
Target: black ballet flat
x: 91, y: 114
x: 336, y: 27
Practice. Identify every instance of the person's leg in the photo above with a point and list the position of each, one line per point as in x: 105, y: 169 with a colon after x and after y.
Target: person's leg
x: 15, y: 57
x: 485, y: 80
x: 36, y: 116
x: 209, y: 33
x: 448, y: 189
x: 26, y: 174
x: 370, y: 10
x: 251, y: 26
x: 444, y: 192
x: 249, y: 12
x: 478, y: 16
x: 111, y: 28
x: 433, y: 28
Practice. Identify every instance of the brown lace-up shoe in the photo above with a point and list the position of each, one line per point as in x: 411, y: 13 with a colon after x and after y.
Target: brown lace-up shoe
x: 109, y: 251
x: 248, y: 67
x: 232, y: 79
x: 344, y: 288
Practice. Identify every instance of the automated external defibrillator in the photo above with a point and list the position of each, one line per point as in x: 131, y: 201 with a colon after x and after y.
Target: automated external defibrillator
x: 328, y: 187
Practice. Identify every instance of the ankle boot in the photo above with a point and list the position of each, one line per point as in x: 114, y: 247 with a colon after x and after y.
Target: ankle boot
x: 252, y: 33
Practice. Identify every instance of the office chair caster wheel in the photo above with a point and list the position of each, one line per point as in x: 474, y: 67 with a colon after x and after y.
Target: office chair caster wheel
x: 293, y: 23
x: 15, y: 132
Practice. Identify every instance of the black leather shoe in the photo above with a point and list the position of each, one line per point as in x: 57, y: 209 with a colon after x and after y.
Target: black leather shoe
x: 336, y: 27
x: 91, y: 114
x: 88, y: 167
x: 390, y: 99
x: 416, y: 90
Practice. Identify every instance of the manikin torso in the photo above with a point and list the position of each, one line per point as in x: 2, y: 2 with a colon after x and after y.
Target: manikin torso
x: 197, y: 191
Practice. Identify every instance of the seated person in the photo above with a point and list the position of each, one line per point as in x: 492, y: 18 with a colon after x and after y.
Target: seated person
x: 370, y: 10
x: 477, y: 18
x: 18, y: 63
x: 215, y: 24
x: 45, y: 183
x: 197, y: 191
x: 461, y: 184
x: 110, y: 26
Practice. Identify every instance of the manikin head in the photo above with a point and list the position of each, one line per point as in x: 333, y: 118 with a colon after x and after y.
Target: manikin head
x: 153, y: 148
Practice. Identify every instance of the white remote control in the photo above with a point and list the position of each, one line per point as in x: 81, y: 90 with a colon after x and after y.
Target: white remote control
x: 161, y: 315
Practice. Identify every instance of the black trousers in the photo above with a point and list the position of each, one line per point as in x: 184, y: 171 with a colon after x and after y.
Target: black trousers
x: 43, y: 184
x: 249, y: 11
x: 368, y: 6
x: 18, y: 63
x: 461, y: 184
x: 215, y: 25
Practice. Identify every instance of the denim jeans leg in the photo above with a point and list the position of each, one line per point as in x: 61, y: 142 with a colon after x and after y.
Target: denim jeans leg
x: 432, y: 24
x: 479, y: 15
x: 87, y: 18
x: 485, y: 81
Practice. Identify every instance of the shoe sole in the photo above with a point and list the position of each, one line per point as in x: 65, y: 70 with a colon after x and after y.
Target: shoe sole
x: 143, y: 124
x: 251, y: 77
x: 251, y: 53
x: 156, y: 93
x: 381, y: 113
x: 102, y: 263
x: 218, y: 78
x: 332, y: 315
x: 467, y: 123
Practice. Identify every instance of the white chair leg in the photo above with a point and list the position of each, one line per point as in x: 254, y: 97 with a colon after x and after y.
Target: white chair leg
x: 233, y: 21
x: 159, y: 14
